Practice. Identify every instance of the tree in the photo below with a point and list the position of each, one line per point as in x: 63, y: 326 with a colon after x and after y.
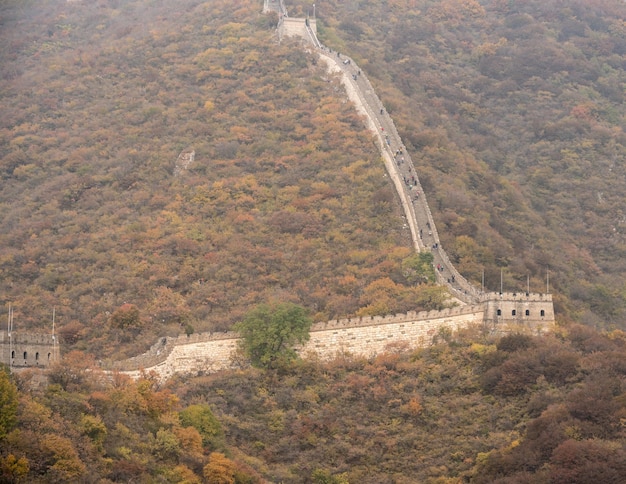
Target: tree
x: 269, y: 332
x: 418, y: 268
x: 126, y: 322
x: 12, y: 468
x: 125, y: 317
x: 201, y: 418
x: 220, y: 469
x: 8, y: 403
x: 321, y: 476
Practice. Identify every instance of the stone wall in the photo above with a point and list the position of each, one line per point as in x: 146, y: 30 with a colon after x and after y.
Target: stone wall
x: 367, y: 337
x: 297, y: 27
x: 510, y: 311
x: 359, y: 337
x: 362, y: 337
x: 28, y: 350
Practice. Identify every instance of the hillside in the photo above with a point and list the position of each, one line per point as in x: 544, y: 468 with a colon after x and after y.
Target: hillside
x: 519, y: 409
x: 166, y: 166
x: 513, y: 113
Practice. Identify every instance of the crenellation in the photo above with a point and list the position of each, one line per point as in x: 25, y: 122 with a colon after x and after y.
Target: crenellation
x: 28, y: 350
x: 360, y: 337
x: 368, y: 335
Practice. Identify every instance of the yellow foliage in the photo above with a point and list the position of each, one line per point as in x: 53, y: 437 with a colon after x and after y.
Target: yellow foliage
x: 13, y: 468
x: 220, y: 469
x: 480, y: 349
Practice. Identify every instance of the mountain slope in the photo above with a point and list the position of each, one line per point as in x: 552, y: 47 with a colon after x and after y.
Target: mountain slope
x: 173, y: 159
x: 514, y: 113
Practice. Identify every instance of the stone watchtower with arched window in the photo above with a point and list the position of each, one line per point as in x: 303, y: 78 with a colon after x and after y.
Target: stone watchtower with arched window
x: 28, y: 350
x: 511, y: 311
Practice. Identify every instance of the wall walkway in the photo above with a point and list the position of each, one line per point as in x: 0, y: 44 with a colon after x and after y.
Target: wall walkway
x: 397, y: 160
x: 364, y: 337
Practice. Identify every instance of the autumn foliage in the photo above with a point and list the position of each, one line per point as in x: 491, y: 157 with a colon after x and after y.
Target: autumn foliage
x: 281, y: 200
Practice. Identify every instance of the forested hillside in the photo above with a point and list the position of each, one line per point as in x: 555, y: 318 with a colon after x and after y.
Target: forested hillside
x: 514, y: 113
x: 167, y: 165
x: 519, y: 409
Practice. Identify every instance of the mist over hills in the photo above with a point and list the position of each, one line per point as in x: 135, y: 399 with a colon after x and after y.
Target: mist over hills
x: 514, y: 112
x: 167, y: 165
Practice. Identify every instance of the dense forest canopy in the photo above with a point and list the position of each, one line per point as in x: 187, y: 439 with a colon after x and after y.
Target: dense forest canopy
x: 514, y: 113
x: 518, y: 409
x: 165, y: 166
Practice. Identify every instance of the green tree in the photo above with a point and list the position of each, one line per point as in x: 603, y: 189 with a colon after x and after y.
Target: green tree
x: 418, y: 268
x: 269, y: 333
x: 202, y: 419
x: 8, y: 403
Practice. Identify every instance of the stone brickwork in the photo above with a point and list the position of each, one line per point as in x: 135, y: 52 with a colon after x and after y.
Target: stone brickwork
x: 510, y: 311
x: 28, y: 350
x: 358, y: 337
x: 367, y: 337
x: 297, y: 27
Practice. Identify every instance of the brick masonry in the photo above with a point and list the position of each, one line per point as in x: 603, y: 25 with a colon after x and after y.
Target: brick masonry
x: 28, y: 350
x: 357, y: 337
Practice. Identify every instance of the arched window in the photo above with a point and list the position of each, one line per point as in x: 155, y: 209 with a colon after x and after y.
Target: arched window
x: 25, y: 354
x: 543, y: 312
x: 528, y: 312
x: 499, y: 312
x: 49, y: 355
x: 13, y: 354
x: 37, y: 356
x: 513, y: 313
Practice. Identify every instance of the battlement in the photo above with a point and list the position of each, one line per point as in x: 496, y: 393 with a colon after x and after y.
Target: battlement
x: 510, y: 311
x: 394, y: 318
x: 28, y: 350
x: 363, y: 336
x: 161, y: 350
x: 516, y: 296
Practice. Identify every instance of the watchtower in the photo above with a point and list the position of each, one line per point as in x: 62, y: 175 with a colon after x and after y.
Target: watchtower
x: 511, y: 311
x: 20, y: 349
x: 28, y: 350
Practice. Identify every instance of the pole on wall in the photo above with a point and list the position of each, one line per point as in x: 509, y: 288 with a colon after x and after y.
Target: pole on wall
x: 10, y: 333
x: 482, y: 287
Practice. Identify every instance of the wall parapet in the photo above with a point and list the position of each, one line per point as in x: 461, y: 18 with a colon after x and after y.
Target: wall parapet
x: 395, y: 318
x: 161, y: 350
x: 213, y: 350
x: 28, y: 350
x: 516, y: 296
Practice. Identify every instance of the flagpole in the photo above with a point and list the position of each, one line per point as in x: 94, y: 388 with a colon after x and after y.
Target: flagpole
x: 10, y: 332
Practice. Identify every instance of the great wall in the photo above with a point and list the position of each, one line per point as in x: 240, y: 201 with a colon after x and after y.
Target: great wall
x: 201, y: 353
x: 357, y: 337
